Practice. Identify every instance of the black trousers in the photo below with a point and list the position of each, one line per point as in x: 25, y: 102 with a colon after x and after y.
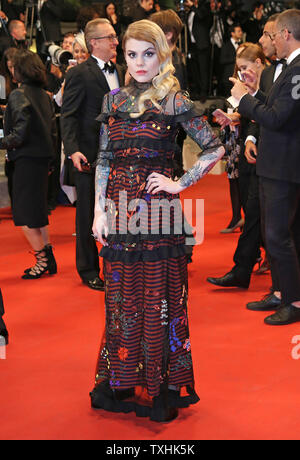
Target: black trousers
x: 199, y: 71
x: 2, y: 324
x: 87, y: 259
x: 250, y: 241
x: 9, y: 172
x: 54, y: 178
x: 280, y: 204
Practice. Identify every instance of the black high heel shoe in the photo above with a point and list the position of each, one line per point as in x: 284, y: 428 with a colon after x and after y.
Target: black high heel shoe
x: 45, y: 262
x: 263, y: 266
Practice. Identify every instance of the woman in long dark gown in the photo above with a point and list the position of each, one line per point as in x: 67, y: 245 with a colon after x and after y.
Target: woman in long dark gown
x: 145, y: 362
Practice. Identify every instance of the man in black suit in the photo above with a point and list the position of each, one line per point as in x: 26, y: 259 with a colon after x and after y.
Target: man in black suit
x: 86, y: 85
x: 227, y: 58
x: 278, y: 115
x: 272, y: 300
x: 250, y: 241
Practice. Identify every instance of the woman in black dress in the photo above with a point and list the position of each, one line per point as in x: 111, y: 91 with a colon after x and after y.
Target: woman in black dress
x: 29, y: 138
x: 6, y: 67
x: 145, y: 362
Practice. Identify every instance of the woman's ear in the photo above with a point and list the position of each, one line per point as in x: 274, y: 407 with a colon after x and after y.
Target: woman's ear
x: 258, y: 62
x: 169, y: 36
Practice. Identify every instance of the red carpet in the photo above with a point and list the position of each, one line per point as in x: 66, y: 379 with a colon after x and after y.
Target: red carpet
x: 245, y: 375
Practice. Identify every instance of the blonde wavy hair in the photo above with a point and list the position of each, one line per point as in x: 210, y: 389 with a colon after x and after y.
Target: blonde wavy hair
x: 165, y: 81
x: 80, y: 40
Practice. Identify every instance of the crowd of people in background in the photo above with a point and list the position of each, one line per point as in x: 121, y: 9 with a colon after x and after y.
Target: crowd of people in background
x: 211, y: 32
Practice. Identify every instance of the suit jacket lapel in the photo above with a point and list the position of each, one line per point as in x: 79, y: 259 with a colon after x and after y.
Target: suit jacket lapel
x: 95, y: 69
x: 120, y: 73
x: 282, y: 75
x: 267, y: 78
x: 270, y: 79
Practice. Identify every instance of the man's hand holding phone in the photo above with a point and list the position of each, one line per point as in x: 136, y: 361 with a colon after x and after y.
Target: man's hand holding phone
x: 80, y: 161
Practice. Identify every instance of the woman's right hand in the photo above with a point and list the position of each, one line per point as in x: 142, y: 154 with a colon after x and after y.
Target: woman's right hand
x: 100, y: 227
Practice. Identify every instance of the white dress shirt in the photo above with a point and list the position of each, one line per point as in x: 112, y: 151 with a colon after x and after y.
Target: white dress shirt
x: 235, y: 44
x: 111, y: 78
x: 190, y: 25
x: 293, y: 56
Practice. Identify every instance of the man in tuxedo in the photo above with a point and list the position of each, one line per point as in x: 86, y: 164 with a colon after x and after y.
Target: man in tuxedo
x: 227, y: 58
x: 86, y: 85
x: 278, y: 115
x: 272, y: 300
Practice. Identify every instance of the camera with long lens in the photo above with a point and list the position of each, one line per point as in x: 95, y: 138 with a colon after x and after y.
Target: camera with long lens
x: 57, y: 55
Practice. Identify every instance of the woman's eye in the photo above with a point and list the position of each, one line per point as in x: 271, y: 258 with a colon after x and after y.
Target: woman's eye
x: 131, y: 55
x: 149, y: 54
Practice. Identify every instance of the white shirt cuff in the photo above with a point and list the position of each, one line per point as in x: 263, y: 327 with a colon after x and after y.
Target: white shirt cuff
x: 252, y: 139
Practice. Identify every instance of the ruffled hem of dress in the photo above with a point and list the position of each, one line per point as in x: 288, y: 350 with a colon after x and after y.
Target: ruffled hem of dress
x: 152, y: 116
x: 103, y: 397
x: 130, y: 257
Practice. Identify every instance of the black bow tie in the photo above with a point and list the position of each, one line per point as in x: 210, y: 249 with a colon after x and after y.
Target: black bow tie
x: 283, y: 62
x: 109, y: 67
x: 276, y: 62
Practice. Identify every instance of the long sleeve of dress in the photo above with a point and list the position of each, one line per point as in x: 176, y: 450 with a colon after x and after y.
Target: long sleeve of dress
x: 103, y: 162
x: 201, y: 132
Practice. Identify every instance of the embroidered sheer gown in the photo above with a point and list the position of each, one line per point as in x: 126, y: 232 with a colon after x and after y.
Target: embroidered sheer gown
x: 145, y: 362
